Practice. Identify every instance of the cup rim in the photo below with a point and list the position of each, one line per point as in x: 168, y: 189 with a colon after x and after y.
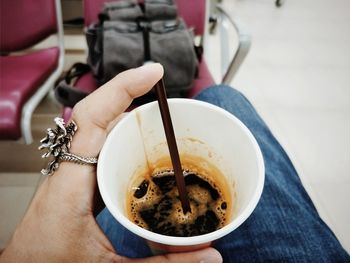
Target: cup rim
x: 184, y: 241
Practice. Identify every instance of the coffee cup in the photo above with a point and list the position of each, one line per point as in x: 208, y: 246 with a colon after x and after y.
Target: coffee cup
x: 201, y: 130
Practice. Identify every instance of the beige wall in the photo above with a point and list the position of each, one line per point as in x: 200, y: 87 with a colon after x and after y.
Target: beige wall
x: 71, y: 9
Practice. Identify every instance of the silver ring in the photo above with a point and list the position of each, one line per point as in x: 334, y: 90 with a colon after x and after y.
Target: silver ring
x: 57, y: 143
x: 71, y: 157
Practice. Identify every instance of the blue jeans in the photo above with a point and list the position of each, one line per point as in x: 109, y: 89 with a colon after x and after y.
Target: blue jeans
x: 284, y: 227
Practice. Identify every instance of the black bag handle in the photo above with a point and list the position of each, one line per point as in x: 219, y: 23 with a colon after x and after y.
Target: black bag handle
x: 67, y: 94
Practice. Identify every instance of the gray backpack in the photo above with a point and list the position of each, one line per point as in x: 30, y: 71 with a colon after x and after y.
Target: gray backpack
x: 127, y: 35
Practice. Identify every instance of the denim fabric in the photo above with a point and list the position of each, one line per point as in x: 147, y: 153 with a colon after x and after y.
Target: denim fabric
x: 284, y: 227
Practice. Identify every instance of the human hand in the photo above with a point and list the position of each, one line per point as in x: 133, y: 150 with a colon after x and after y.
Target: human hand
x: 59, y: 225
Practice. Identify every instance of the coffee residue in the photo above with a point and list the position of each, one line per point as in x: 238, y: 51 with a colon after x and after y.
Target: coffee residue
x: 154, y: 203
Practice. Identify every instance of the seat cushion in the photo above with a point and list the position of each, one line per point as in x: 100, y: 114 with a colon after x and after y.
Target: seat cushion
x: 88, y: 84
x: 20, y: 77
x: 203, y: 81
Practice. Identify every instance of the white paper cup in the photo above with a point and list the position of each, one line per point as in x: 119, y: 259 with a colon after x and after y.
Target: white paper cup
x: 201, y: 129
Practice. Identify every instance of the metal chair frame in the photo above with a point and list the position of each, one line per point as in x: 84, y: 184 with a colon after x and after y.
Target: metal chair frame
x: 43, y: 90
x: 230, y: 68
x: 221, y: 22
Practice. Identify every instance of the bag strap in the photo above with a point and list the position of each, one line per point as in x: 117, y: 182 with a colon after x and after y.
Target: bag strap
x: 67, y: 94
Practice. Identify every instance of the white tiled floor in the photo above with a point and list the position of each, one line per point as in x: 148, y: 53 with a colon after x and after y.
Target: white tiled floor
x: 16, y: 191
x: 297, y: 74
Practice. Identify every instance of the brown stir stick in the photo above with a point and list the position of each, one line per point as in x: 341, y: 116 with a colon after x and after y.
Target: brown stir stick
x: 170, y: 137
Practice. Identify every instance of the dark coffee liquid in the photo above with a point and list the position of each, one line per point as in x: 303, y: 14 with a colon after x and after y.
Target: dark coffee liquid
x: 155, y: 205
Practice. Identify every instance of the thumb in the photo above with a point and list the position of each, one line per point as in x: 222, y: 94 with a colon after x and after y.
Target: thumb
x: 96, y: 112
x: 208, y: 255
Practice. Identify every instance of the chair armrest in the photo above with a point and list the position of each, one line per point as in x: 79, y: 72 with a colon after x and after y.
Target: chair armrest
x: 230, y: 67
x: 48, y: 85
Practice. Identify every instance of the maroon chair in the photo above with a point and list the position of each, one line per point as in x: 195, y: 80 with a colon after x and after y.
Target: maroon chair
x: 27, y: 73
x: 195, y: 14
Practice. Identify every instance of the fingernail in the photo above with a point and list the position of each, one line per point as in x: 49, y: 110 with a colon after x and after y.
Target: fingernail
x: 152, y: 66
x: 149, y: 64
x: 211, y: 256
